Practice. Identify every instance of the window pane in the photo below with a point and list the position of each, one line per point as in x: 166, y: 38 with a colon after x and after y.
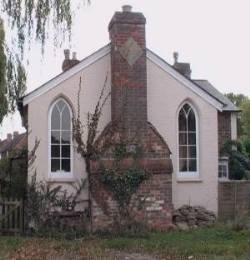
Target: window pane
x: 60, y: 104
x: 191, y: 121
x: 55, y: 150
x: 191, y: 151
x: 186, y: 108
x: 55, y: 137
x: 183, y: 165
x: 66, y: 120
x: 183, y: 151
x: 66, y: 165
x: 182, y: 138
x: 192, y: 138
x: 182, y: 121
x: 66, y: 151
x: 55, y: 165
x: 66, y: 136
x: 192, y: 165
x: 55, y: 119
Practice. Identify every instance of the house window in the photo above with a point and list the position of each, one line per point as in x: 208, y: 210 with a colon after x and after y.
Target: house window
x: 223, y: 168
x: 187, y: 139
x: 60, y: 139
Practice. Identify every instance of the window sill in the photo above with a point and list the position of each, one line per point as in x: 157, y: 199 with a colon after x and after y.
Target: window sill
x: 61, y: 180
x: 180, y: 180
x: 61, y: 177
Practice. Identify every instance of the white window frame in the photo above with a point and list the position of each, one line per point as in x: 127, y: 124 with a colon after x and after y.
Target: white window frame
x: 60, y: 175
x: 223, y: 161
x: 189, y: 175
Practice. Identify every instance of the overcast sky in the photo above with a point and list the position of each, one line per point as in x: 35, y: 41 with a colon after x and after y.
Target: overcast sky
x: 213, y: 35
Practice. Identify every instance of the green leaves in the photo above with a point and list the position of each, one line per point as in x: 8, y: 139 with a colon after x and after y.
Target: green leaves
x: 123, y: 184
x: 3, y: 87
x: 245, y: 118
x: 28, y: 16
x: 239, y: 163
x: 12, y: 77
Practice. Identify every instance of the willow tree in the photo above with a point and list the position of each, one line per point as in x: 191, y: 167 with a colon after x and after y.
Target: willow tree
x: 28, y: 20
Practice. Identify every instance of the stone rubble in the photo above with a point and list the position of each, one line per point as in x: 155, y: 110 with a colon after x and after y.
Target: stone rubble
x: 188, y: 217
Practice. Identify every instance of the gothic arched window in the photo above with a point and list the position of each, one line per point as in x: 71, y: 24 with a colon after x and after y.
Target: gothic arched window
x: 187, y: 134
x: 60, y: 135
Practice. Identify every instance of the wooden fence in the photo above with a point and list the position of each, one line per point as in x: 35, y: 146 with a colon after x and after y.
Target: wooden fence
x: 11, y: 216
x: 234, y: 199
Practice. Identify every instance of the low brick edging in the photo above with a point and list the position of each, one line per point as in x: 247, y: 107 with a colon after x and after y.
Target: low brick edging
x: 233, y: 199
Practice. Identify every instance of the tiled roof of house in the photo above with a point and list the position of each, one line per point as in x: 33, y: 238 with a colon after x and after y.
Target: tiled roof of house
x: 203, y: 85
x: 18, y: 142
x: 208, y: 87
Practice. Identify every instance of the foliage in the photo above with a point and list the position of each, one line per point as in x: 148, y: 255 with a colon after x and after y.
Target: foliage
x: 207, y: 243
x: 237, y: 99
x: 124, y: 182
x: 44, y: 200
x: 3, y: 87
x: 246, y: 144
x: 28, y: 20
x: 12, y: 77
x: 239, y: 163
x: 245, y: 118
x: 86, y: 147
x: 13, y: 174
x: 28, y: 16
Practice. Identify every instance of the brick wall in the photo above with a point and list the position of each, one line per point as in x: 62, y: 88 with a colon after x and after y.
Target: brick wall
x: 151, y: 205
x: 233, y: 199
x: 224, y: 128
x: 128, y: 69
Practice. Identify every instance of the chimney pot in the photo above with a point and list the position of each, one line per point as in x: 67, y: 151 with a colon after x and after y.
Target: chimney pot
x: 9, y: 136
x: 15, y: 134
x: 74, y: 56
x: 127, y: 8
x: 66, y: 54
x: 176, y: 56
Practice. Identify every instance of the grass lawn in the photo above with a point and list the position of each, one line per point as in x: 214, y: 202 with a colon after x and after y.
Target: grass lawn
x: 213, y: 243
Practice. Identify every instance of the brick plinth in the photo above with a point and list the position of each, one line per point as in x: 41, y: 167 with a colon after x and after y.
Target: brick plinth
x: 151, y: 205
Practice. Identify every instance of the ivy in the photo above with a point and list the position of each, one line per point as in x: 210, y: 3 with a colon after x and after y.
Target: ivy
x: 123, y: 183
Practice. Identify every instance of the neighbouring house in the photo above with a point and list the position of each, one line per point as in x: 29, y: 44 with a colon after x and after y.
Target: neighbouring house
x: 13, y: 167
x: 12, y: 144
x: 182, y: 123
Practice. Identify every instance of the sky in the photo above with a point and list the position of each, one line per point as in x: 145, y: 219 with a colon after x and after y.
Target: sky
x: 212, y: 35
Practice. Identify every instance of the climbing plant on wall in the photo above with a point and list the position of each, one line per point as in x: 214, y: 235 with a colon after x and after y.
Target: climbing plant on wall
x: 124, y: 182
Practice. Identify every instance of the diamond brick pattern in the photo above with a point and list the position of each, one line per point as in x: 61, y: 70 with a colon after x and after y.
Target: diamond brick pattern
x: 131, y: 51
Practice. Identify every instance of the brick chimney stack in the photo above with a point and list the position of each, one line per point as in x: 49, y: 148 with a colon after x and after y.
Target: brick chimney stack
x: 128, y: 69
x: 130, y: 127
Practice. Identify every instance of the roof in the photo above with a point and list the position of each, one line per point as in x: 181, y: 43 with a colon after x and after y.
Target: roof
x: 207, y: 86
x: 18, y: 142
x: 201, y: 87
